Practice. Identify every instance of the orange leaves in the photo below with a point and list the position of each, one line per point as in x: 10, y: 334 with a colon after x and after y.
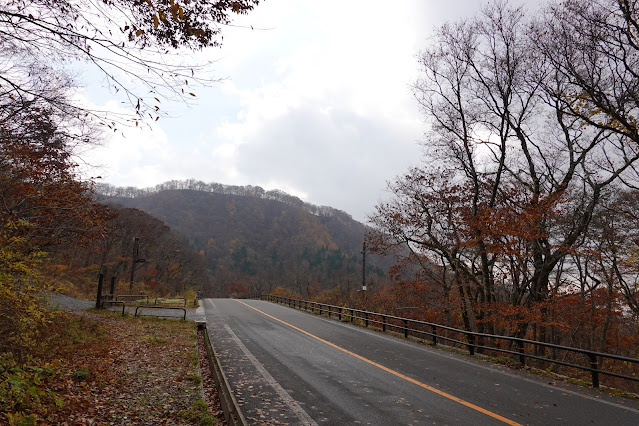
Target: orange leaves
x: 175, y: 11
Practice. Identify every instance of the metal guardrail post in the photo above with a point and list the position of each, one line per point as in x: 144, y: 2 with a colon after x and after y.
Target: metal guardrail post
x: 366, y: 316
x: 522, y: 355
x: 339, y: 313
x: 405, y: 329
x: 352, y: 315
x: 471, y: 343
x: 113, y: 302
x: 594, y: 369
x: 434, y: 335
x: 384, y: 323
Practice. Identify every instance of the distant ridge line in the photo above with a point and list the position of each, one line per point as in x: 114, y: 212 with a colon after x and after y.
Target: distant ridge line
x: 108, y: 190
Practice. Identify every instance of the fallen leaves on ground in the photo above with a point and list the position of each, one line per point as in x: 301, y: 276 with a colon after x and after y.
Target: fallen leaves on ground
x: 142, y: 371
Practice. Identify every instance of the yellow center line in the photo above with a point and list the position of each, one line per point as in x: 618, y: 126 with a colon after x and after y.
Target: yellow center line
x: 393, y: 372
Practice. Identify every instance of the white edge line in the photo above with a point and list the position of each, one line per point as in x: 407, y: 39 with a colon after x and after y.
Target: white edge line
x: 305, y: 419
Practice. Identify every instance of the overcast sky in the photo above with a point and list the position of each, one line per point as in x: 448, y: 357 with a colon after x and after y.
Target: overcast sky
x: 316, y: 102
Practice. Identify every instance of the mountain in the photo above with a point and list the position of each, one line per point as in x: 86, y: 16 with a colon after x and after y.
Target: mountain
x: 258, y: 239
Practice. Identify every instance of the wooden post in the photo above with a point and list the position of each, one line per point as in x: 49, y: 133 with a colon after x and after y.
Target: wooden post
x: 112, y: 285
x: 98, y: 298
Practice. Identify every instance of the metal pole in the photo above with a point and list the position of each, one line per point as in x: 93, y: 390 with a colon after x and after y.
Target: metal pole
x: 136, y: 242
x: 594, y: 366
x: 98, y: 298
x: 364, y: 266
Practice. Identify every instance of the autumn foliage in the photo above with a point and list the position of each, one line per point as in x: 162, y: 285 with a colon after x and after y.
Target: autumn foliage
x: 522, y: 220
x: 43, y: 205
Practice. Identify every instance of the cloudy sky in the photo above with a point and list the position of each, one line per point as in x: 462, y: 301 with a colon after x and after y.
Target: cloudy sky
x: 316, y: 101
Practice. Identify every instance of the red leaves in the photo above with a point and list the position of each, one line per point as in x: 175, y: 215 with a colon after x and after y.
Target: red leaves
x: 38, y: 184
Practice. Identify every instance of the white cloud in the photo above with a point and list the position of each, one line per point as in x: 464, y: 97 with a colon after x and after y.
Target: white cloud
x: 317, y: 104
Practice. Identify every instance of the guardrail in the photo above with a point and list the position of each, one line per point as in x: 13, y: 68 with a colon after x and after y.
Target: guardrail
x: 232, y: 411
x: 159, y: 307
x: 472, y: 342
x: 115, y: 302
x: 133, y: 296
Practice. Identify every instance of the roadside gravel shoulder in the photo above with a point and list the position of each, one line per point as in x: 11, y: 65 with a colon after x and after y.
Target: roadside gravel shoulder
x: 68, y: 303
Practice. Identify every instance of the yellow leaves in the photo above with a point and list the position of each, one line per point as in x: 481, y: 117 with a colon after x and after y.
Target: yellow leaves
x: 210, y: 243
x: 176, y: 11
x: 236, y: 7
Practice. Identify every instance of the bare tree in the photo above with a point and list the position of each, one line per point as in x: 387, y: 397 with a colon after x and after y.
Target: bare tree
x: 138, y: 46
x: 594, y: 46
x: 512, y: 175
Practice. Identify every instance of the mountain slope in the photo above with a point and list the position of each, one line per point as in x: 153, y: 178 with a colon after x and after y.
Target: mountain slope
x: 263, y: 242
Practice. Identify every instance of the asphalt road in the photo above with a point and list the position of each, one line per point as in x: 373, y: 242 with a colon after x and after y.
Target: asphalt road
x: 290, y: 367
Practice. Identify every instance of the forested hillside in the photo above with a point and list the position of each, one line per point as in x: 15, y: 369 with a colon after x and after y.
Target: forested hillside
x: 254, y: 240
x: 165, y: 264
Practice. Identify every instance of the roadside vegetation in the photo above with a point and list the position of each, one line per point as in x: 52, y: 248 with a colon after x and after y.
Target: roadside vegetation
x: 55, y: 367
x: 104, y: 369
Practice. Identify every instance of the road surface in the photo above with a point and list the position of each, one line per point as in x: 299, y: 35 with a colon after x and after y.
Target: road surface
x: 290, y: 367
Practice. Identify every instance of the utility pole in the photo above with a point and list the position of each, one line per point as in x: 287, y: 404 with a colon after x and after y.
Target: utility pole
x: 135, y: 260
x: 98, y: 297
x: 136, y: 247
x: 364, y: 266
